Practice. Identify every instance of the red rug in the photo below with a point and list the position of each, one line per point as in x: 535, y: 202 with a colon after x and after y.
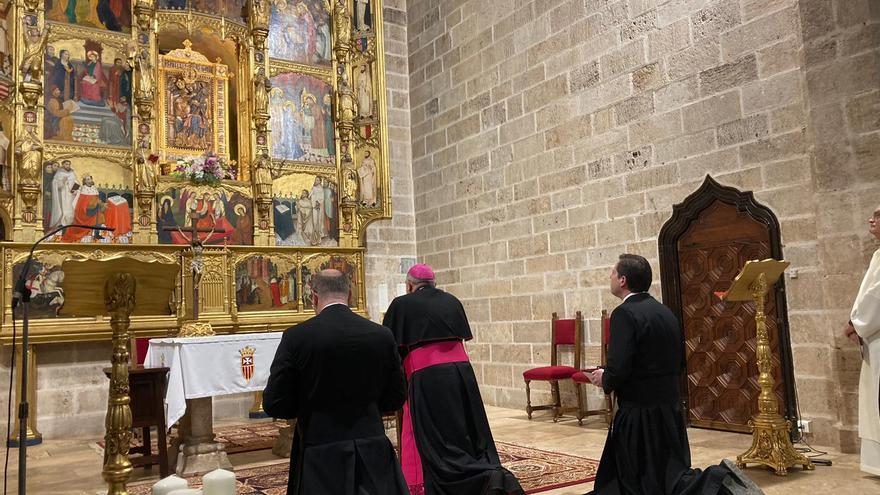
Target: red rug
x: 537, y: 470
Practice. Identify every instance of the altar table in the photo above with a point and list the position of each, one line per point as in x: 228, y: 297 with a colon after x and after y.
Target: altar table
x: 202, y: 368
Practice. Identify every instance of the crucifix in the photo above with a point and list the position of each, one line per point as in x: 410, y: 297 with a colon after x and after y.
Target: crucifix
x: 195, y: 246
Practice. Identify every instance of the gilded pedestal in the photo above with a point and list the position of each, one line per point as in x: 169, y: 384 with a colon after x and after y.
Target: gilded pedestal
x: 771, y: 445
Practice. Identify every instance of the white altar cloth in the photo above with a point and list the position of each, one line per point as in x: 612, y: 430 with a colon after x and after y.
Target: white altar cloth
x: 211, y: 366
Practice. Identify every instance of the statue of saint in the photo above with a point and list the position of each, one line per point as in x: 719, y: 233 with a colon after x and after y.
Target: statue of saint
x: 29, y: 152
x: 262, y: 86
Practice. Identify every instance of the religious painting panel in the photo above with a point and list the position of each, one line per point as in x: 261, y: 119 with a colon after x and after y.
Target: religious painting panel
x: 302, y: 119
x: 299, y: 31
x: 305, y: 210
x: 265, y: 283
x: 111, y: 15
x: 221, y: 217
x: 231, y: 9
x: 320, y: 262
x: 192, y: 105
x: 44, y: 279
x: 87, y: 96
x: 87, y: 191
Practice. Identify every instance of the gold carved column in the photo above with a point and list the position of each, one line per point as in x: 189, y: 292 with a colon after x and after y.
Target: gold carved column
x: 29, y: 114
x: 259, y: 99
x: 345, y: 115
x: 119, y: 299
x: 141, y: 58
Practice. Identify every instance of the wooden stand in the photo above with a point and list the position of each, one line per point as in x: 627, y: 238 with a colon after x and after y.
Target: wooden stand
x: 771, y: 445
x: 120, y: 278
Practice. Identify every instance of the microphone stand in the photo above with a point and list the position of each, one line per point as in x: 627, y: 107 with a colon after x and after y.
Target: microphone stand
x: 21, y: 294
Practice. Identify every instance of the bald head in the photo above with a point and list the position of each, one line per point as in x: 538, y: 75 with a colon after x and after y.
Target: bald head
x: 330, y: 286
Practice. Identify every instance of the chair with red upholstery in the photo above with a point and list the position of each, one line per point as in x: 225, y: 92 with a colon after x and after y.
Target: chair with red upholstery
x: 580, y: 378
x: 563, y: 332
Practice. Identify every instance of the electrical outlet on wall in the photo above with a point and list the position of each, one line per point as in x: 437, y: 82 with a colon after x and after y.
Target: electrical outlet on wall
x: 804, y: 425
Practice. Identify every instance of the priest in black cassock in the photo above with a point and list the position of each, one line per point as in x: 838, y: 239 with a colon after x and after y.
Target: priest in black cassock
x: 446, y: 445
x: 335, y: 374
x: 647, y: 451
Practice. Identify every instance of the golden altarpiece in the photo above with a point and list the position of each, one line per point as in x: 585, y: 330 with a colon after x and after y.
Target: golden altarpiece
x: 257, y: 125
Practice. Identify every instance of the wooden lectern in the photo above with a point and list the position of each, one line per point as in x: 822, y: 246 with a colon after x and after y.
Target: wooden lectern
x: 120, y: 277
x: 771, y: 445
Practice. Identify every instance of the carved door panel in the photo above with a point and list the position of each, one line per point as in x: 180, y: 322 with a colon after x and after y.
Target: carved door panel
x: 720, y: 337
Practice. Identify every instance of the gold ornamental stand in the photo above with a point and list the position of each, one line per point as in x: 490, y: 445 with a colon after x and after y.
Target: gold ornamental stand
x: 120, y: 277
x: 771, y: 445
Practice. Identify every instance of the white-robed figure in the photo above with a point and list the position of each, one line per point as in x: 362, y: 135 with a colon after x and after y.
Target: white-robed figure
x: 64, y: 186
x: 864, y: 329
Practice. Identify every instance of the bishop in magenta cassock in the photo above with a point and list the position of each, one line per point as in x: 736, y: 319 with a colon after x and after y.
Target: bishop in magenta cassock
x: 446, y: 444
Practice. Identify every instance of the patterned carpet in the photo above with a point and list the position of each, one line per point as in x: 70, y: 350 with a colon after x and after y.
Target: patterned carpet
x: 537, y: 470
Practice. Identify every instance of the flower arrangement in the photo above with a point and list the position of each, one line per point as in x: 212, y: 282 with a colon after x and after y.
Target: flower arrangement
x: 209, y: 170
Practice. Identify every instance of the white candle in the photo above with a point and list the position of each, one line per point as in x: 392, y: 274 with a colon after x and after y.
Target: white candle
x: 219, y: 482
x: 187, y: 491
x: 168, y: 485
x: 401, y: 289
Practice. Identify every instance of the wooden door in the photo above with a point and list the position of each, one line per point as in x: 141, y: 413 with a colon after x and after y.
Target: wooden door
x: 720, y: 337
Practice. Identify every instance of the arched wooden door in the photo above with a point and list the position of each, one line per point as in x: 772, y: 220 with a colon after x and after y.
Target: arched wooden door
x: 702, y: 248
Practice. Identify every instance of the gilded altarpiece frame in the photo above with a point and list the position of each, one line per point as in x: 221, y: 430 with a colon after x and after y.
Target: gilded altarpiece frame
x: 356, y: 182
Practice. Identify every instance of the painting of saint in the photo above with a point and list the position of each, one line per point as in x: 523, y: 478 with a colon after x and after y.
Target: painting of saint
x: 364, y: 87
x: 112, y: 15
x: 367, y: 178
x: 69, y: 199
x: 224, y: 218
x: 88, y: 99
x: 171, y: 4
x: 44, y: 280
x: 189, y: 124
x: 5, y: 169
x: 299, y: 31
x: 262, y: 284
x: 305, y: 211
x: 302, y: 119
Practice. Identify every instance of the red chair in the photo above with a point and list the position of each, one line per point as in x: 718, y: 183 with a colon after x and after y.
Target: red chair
x: 580, y: 378
x: 568, y: 332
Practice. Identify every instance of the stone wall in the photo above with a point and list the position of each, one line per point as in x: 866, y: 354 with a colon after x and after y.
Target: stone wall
x: 548, y: 136
x: 71, y: 387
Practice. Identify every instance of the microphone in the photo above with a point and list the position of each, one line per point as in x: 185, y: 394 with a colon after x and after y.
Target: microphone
x: 20, y: 290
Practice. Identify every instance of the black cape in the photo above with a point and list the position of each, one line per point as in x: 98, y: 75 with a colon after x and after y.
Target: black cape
x: 335, y: 374
x: 647, y: 450
x: 449, y: 421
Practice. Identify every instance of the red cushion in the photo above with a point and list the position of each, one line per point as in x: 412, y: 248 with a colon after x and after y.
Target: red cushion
x: 564, y: 332
x: 549, y: 373
x: 580, y: 377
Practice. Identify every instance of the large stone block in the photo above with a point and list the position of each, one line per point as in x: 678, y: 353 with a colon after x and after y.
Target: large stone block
x: 633, y: 108
x: 670, y: 39
x: 528, y: 246
x: 865, y: 37
x: 781, y: 57
x: 650, y: 76
x: 712, y: 111
x: 638, y: 26
x: 632, y: 160
x: 511, y: 308
x: 627, y: 205
x: 817, y: 18
x: 774, y: 148
x: 568, y: 132
x: 676, y: 9
x: 714, y: 20
x: 788, y: 118
x: 623, y: 60
x: 796, y: 171
x: 676, y: 94
x: 863, y: 112
x: 517, y: 129
x: 715, y: 163
x: 655, y: 128
x: 727, y: 76
x: 759, y: 33
x: 747, y: 129
x: 693, y: 60
x: 779, y: 90
x: 603, y: 95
